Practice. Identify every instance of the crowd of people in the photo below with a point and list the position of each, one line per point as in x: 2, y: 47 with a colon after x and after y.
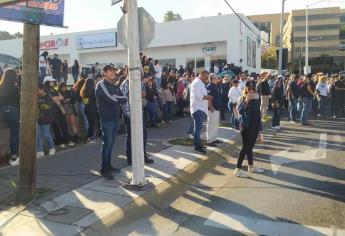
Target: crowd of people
x: 92, y: 109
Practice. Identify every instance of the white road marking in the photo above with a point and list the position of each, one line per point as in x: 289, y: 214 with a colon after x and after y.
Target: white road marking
x: 290, y: 155
x: 266, y: 227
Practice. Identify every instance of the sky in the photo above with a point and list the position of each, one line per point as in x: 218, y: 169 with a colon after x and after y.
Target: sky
x: 84, y: 15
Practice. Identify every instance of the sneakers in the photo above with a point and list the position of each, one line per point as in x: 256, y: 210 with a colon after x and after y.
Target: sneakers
x: 14, y: 162
x: 200, y: 150
x: 240, y: 173
x: 218, y: 141
x: 276, y: 127
x: 91, y: 140
x: 148, y: 160
x: 191, y: 136
x: 253, y: 169
x: 107, y: 175
x: 52, y: 151
x: 71, y: 144
x: 113, y: 169
x: 212, y: 145
x: 40, y: 154
x: 62, y: 145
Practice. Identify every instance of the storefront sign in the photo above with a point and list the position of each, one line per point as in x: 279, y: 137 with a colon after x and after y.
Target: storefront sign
x: 43, y: 12
x: 52, y: 44
x: 101, y: 40
x: 209, y: 49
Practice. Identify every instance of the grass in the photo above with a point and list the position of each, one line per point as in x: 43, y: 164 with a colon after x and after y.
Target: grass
x: 225, y: 125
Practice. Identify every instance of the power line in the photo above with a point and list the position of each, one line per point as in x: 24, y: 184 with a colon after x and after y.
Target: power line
x: 245, y: 23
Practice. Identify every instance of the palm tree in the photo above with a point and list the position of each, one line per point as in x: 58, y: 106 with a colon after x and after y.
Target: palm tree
x: 171, y: 16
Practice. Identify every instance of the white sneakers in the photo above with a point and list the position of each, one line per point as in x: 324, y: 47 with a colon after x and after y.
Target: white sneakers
x: 244, y: 174
x: 40, y: 154
x: 52, y: 151
x: 276, y: 127
x: 14, y: 162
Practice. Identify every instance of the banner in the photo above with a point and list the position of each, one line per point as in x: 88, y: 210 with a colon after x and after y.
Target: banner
x: 254, y: 54
x: 249, y: 51
x: 42, y: 12
x: 101, y: 40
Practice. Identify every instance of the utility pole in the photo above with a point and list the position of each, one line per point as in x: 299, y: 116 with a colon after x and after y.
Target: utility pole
x: 138, y: 178
x: 28, y: 113
x: 306, y: 68
x: 280, y: 64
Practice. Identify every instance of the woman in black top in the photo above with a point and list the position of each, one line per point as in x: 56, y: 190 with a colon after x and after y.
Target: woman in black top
x: 60, y: 125
x: 277, y: 96
x: 64, y: 70
x: 88, y: 96
x: 75, y: 70
x: 68, y: 105
x: 10, y: 110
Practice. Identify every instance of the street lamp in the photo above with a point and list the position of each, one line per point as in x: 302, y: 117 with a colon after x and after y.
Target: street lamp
x: 280, y: 64
x: 307, y: 68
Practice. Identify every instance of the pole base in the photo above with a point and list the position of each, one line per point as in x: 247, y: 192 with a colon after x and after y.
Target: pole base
x: 143, y: 187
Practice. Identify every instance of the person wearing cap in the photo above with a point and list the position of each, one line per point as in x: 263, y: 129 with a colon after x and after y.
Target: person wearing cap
x: 234, y: 94
x: 110, y: 100
x: 213, y: 111
x: 248, y: 108
x: 199, y: 107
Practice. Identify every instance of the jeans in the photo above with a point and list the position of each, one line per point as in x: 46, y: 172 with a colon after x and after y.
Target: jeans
x: 81, y: 109
x: 109, y: 130
x: 276, y: 117
x: 91, y: 120
x: 191, y: 127
x: 307, y: 103
x: 167, y: 109
x: 322, y: 105
x: 151, y: 107
x: 43, y: 73
x: 158, y: 82
x: 293, y: 109
x: 11, y: 116
x: 199, y: 117
x: 75, y: 77
x: 43, y: 131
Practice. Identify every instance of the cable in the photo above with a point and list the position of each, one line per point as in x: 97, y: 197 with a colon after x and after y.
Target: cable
x: 245, y: 23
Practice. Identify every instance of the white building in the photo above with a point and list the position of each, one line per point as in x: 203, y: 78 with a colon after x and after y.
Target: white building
x: 201, y: 41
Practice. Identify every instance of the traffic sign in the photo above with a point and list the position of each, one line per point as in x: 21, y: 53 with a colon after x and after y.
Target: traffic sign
x: 9, y: 2
x: 146, y: 29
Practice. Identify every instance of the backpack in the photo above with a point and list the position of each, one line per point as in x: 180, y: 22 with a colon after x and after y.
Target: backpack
x: 186, y: 94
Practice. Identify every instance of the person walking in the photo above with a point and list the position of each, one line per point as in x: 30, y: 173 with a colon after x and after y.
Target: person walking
x: 277, y: 95
x: 213, y: 114
x: 109, y: 98
x: 234, y: 94
x: 322, y: 95
x: 199, y: 107
x: 10, y: 110
x: 250, y: 126
x: 45, y: 119
x: 307, y: 94
x: 75, y: 70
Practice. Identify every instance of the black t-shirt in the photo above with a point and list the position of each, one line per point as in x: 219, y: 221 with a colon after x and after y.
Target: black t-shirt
x: 339, y: 90
x: 56, y: 64
x: 304, y: 89
x: 294, y: 88
x: 264, y: 88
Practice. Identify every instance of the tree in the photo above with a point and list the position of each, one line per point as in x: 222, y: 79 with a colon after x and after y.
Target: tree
x: 269, y: 59
x: 4, y: 35
x: 342, y: 32
x: 171, y: 16
x: 18, y: 35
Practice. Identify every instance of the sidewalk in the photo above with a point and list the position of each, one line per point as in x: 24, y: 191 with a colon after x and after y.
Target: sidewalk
x: 80, y: 198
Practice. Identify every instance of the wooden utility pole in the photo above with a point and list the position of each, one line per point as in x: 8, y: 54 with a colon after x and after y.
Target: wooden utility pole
x: 28, y: 113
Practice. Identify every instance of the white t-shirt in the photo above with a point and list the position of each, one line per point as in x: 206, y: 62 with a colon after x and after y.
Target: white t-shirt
x: 242, y: 84
x: 42, y: 62
x: 197, y: 93
x: 234, y: 94
x: 159, y: 71
x: 322, y: 88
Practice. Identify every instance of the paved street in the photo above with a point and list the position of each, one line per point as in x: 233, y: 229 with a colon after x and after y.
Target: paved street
x: 302, y: 192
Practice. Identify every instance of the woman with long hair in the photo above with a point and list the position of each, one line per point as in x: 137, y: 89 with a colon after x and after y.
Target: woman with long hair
x: 68, y: 106
x: 75, y: 70
x: 43, y: 64
x: 10, y: 110
x: 80, y: 107
x: 88, y: 96
x: 277, y: 97
x: 64, y: 71
x: 248, y: 108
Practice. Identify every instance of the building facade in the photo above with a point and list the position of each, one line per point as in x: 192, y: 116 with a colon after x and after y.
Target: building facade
x: 201, y: 42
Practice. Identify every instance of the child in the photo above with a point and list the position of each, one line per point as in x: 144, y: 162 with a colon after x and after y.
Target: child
x: 45, y: 119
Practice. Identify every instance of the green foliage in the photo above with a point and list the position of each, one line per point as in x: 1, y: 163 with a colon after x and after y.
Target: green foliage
x: 269, y: 59
x: 342, y: 32
x: 4, y: 35
x: 171, y: 16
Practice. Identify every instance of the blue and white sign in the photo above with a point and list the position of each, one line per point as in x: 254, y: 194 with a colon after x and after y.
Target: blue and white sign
x: 101, y: 40
x: 42, y: 12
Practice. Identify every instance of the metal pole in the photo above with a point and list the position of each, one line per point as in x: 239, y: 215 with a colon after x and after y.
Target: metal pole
x: 280, y: 65
x: 138, y: 178
x: 28, y: 113
x: 300, y: 60
x: 306, y: 71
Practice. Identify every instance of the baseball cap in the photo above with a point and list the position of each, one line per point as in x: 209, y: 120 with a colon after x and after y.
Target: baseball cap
x: 251, y: 84
x: 48, y: 79
x: 108, y: 67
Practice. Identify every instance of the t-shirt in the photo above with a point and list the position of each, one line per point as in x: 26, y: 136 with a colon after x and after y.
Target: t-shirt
x: 264, y: 88
x: 304, y: 89
x: 56, y: 64
x: 294, y: 88
x: 42, y: 62
x: 213, y: 91
x: 322, y: 89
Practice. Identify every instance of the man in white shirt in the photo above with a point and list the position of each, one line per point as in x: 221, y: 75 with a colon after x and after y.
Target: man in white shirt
x: 234, y: 94
x: 199, y: 107
x: 158, y: 75
x: 243, y: 80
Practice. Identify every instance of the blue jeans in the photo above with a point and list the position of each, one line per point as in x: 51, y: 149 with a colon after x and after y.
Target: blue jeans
x: 276, y: 117
x: 307, y: 103
x: 43, y: 131
x: 151, y: 107
x: 11, y: 116
x: 109, y: 131
x: 322, y: 105
x: 75, y: 77
x: 81, y: 110
x: 43, y: 73
x: 293, y: 109
x: 191, y: 127
x: 199, y: 117
x: 158, y: 82
x: 167, y: 108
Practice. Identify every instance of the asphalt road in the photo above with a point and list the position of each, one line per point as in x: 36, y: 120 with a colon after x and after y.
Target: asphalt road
x: 301, y: 192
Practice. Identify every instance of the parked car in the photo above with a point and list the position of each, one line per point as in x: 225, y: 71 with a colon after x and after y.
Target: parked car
x: 10, y: 61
